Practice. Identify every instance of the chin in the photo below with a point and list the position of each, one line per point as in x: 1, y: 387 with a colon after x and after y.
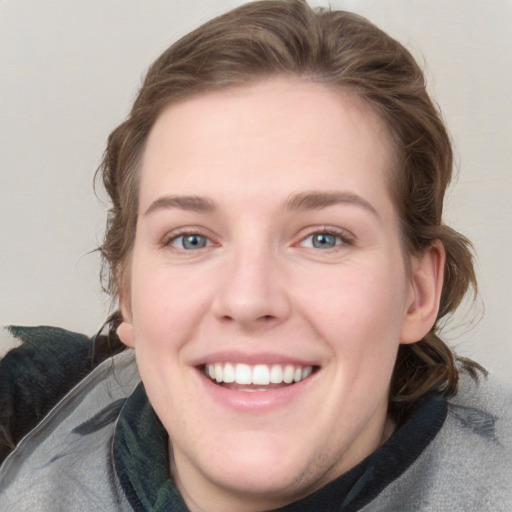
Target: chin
x: 273, y: 470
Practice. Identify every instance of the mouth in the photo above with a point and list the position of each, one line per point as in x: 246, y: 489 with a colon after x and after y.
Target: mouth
x: 259, y: 377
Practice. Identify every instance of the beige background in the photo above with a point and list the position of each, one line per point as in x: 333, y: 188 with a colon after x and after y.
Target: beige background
x: 69, y: 70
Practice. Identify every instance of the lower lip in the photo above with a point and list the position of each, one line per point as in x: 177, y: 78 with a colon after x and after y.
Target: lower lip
x: 255, y: 401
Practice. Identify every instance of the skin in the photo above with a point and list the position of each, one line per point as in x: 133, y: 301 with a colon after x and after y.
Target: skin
x: 260, y: 289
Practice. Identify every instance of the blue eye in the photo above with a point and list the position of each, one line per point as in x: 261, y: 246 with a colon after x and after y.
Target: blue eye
x: 190, y: 242
x: 322, y: 240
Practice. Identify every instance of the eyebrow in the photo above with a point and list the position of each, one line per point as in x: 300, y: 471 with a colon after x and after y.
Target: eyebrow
x: 312, y: 200
x: 190, y: 203
x: 316, y: 200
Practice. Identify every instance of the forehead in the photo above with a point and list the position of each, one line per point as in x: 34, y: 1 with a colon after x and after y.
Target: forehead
x: 279, y: 134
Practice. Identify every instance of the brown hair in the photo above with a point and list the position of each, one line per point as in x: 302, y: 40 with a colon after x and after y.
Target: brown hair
x: 340, y: 49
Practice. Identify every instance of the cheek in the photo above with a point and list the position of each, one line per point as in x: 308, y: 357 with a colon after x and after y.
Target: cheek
x: 166, y: 313
x: 167, y: 303
x: 358, y: 310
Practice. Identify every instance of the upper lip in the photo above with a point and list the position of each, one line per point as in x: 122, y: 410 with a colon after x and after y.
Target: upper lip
x: 252, y: 358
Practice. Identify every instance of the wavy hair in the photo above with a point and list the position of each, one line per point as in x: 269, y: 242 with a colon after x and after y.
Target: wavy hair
x: 342, y: 50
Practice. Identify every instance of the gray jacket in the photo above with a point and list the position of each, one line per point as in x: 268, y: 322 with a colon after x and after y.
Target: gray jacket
x: 67, y: 464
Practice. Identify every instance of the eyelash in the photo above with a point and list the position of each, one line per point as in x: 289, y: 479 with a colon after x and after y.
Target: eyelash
x: 176, y: 235
x: 343, y: 236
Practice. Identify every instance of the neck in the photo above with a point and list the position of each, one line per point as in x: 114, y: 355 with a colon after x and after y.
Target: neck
x: 201, y: 494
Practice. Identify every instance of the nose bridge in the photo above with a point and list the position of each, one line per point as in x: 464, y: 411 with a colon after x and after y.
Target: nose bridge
x: 252, y: 289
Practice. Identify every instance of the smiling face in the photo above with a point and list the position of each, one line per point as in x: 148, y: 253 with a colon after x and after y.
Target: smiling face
x: 268, y: 291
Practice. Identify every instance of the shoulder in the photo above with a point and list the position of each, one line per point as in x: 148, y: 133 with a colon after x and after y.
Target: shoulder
x: 44, y: 365
x: 479, y: 431
x: 66, y: 460
x: 468, y: 465
x: 35, y: 375
x: 474, y: 449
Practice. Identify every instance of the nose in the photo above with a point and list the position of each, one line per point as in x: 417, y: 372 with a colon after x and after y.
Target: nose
x: 252, y: 291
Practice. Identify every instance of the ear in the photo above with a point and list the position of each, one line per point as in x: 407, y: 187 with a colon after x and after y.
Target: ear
x: 125, y: 329
x: 427, y: 278
x: 126, y: 334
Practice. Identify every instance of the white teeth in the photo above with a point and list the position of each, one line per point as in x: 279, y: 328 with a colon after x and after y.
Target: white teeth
x: 289, y: 370
x: 243, y: 374
x: 218, y: 372
x: 229, y: 373
x: 276, y: 374
x: 260, y: 374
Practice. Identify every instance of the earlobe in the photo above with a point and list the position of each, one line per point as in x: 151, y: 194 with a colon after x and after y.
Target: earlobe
x: 427, y: 280
x: 126, y: 334
x: 125, y: 329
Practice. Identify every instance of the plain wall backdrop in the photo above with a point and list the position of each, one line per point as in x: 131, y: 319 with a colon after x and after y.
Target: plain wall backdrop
x: 69, y: 71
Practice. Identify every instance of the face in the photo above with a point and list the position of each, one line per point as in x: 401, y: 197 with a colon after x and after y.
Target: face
x: 268, y: 289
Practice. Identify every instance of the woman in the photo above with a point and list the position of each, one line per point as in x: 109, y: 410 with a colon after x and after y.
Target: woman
x: 277, y: 249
